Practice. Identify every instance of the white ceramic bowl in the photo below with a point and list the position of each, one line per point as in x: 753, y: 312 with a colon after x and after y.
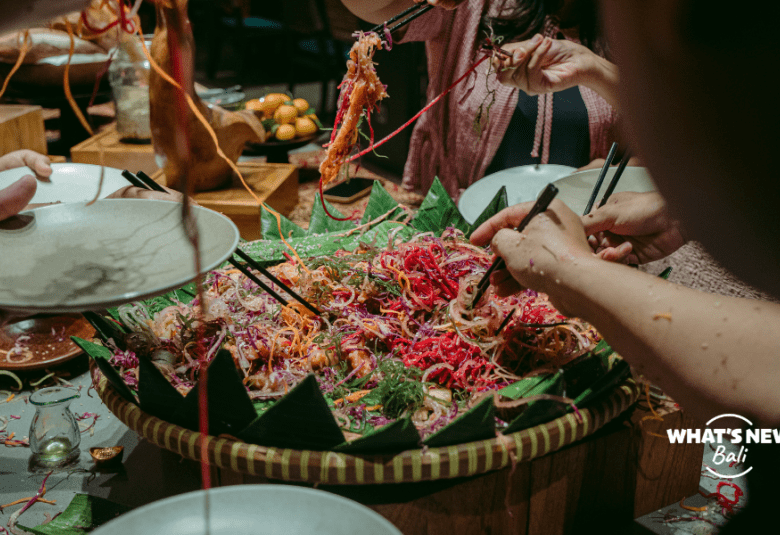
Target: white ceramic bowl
x: 252, y: 510
x: 522, y: 183
x: 575, y: 189
x: 69, y: 182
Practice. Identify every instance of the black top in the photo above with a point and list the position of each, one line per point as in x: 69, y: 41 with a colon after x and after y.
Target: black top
x: 569, y: 139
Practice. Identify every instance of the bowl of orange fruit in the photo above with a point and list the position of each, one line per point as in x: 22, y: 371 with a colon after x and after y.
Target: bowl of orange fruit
x: 290, y: 122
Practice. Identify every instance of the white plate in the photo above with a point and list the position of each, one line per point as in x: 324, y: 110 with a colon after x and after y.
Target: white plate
x: 73, y: 257
x: 522, y: 183
x: 69, y: 182
x: 575, y: 189
x: 252, y: 510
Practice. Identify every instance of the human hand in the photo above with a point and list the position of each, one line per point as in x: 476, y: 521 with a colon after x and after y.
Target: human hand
x: 543, y: 65
x: 538, y: 257
x: 15, y: 197
x: 633, y: 228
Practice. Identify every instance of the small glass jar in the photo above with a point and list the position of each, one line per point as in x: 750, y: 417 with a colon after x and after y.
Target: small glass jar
x: 129, y: 78
x: 54, y: 432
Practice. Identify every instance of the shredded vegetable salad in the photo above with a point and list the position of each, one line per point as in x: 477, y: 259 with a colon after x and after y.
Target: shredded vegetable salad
x: 396, y: 337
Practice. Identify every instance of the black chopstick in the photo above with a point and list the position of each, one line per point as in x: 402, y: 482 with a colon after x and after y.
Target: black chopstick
x: 615, y: 178
x: 415, y: 11
x: 600, y: 180
x: 276, y: 281
x: 134, y: 180
x: 149, y: 181
x: 257, y: 281
x: 540, y: 206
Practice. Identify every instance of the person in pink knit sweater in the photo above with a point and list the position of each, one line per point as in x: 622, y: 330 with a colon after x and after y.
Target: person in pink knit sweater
x: 552, y: 97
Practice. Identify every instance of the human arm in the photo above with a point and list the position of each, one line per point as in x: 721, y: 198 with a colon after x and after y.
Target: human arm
x: 543, y: 65
x: 633, y: 227
x: 712, y: 354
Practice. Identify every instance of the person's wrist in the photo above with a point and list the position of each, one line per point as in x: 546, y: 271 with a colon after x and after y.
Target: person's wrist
x: 602, y: 76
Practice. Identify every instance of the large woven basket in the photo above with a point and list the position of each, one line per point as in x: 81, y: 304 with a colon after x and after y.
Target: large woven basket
x: 327, y: 467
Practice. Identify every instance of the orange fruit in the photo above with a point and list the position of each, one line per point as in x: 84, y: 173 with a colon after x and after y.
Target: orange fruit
x: 285, y: 132
x: 285, y: 114
x: 301, y: 105
x: 255, y: 104
x: 304, y: 127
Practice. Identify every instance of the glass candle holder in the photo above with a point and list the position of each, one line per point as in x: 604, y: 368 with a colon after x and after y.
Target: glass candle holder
x: 54, y: 432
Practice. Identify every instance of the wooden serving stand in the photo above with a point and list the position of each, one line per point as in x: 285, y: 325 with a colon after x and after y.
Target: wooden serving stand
x: 275, y: 184
x: 599, y: 484
x: 21, y: 127
x: 131, y: 156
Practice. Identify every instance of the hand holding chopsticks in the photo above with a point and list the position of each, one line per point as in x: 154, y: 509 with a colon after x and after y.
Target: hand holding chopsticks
x: 540, y: 206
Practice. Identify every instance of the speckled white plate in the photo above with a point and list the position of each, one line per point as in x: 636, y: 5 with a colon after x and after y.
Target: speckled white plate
x: 252, y: 510
x: 69, y: 182
x: 73, y: 257
x: 575, y: 189
x: 522, y: 183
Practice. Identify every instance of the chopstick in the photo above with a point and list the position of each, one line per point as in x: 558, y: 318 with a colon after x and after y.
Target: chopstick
x: 615, y: 178
x: 149, y: 184
x: 134, y: 180
x: 276, y: 281
x: 149, y: 181
x: 419, y: 8
x: 540, y: 206
x: 600, y: 180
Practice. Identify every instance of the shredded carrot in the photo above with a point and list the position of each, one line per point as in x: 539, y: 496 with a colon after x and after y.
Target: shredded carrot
x: 24, y: 500
x: 352, y: 398
x: 690, y: 507
x: 9, y: 398
x: 23, y: 49
x: 374, y: 408
x: 662, y: 315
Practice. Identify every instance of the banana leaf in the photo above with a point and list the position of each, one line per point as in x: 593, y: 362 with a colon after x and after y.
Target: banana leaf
x: 438, y: 211
x: 477, y: 424
x: 498, y: 203
x: 394, y: 437
x: 156, y: 395
x: 301, y: 419
x: 321, y: 223
x: 230, y: 408
x: 379, y: 203
x: 83, y: 514
x: 270, y: 227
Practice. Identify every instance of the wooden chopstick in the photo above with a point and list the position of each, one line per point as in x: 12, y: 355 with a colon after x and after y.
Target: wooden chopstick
x: 276, y: 281
x: 414, y: 12
x: 600, y: 180
x: 542, y: 203
x: 615, y: 178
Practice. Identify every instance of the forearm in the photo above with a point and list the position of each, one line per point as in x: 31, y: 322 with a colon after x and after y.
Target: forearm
x: 713, y: 354
x: 603, y: 77
x: 376, y: 11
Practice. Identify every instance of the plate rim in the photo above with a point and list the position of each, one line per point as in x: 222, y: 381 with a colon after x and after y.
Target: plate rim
x: 131, y: 296
x: 266, y: 488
